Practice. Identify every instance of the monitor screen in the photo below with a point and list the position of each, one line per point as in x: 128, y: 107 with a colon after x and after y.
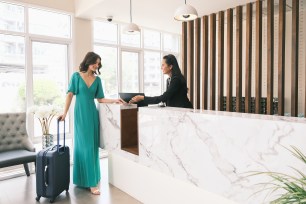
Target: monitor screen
x: 128, y: 96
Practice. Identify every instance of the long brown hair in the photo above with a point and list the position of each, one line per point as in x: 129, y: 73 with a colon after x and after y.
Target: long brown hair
x: 89, y: 59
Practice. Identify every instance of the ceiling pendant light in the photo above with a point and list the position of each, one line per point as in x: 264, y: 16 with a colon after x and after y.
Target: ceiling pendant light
x: 185, y: 13
x: 131, y: 28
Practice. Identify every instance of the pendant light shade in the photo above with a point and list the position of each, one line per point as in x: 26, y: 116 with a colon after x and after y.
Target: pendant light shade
x: 131, y: 28
x: 185, y: 13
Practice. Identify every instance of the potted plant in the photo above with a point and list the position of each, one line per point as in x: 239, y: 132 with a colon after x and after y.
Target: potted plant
x: 290, y: 189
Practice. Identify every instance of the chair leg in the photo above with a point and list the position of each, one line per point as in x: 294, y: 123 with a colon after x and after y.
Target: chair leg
x: 26, y: 168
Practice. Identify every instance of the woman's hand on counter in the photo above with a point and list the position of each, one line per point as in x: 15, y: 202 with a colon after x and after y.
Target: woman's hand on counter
x: 119, y: 101
x: 136, y: 99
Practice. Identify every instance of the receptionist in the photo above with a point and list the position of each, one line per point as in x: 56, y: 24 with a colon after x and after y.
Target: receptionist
x: 176, y: 92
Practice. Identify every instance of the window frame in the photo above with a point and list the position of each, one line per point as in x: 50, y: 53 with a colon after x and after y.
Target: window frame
x: 29, y: 39
x: 140, y: 50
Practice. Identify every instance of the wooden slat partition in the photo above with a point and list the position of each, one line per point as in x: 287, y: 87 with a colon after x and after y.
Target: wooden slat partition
x: 238, y: 58
x: 199, y: 42
x: 197, y: 63
x: 281, y: 57
x: 184, y: 49
x: 220, y: 60
x: 270, y: 55
x: 295, y: 58
x: 248, y: 60
x: 258, y: 54
x: 204, y: 67
x: 229, y: 65
x: 190, y: 60
x: 212, y: 53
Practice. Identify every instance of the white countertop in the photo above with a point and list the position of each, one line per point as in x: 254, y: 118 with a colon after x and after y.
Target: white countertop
x: 224, y: 113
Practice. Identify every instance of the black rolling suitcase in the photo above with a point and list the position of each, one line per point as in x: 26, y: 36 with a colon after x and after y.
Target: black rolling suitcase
x: 53, y: 170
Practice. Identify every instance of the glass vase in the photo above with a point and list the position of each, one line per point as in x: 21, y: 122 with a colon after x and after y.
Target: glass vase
x: 47, y: 140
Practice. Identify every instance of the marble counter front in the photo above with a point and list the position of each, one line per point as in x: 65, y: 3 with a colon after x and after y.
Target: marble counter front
x: 210, y: 150
x: 110, y: 128
x: 215, y: 150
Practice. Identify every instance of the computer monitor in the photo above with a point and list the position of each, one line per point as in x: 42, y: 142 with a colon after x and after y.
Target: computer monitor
x: 128, y: 96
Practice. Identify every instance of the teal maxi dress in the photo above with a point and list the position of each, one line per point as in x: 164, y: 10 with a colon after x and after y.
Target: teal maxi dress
x: 86, y: 164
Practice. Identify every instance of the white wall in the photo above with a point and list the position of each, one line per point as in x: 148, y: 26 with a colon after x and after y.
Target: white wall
x: 83, y: 41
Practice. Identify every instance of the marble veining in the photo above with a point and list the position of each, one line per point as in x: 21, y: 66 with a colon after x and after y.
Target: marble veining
x: 217, y: 152
x: 213, y: 150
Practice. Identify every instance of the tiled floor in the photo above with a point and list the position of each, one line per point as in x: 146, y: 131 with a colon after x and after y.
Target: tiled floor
x: 23, y: 190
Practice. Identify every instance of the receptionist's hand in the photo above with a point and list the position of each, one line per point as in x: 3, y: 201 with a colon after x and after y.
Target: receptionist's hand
x: 136, y: 99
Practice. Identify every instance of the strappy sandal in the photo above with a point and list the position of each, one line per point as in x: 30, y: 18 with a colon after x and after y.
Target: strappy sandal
x: 95, y: 191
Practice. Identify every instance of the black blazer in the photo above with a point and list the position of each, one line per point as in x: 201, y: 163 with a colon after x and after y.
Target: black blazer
x: 175, y: 95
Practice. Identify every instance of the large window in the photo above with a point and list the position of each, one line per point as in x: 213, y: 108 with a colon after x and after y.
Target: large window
x: 12, y: 73
x: 49, y: 76
x: 108, y: 70
x: 138, y: 65
x: 11, y: 17
x: 49, y: 23
x: 130, y: 67
x: 34, y: 61
x: 105, y: 33
x: 152, y: 73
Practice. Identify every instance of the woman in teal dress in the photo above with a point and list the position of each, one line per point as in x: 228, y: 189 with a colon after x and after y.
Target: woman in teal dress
x: 86, y: 86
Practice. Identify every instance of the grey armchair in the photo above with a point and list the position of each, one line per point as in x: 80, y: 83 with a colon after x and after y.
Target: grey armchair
x: 15, y: 146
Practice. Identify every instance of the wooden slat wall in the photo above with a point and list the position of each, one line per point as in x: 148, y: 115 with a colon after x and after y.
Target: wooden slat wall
x: 238, y: 58
x: 281, y: 57
x: 229, y: 65
x: 270, y: 55
x: 197, y: 63
x: 204, y: 75
x: 295, y: 58
x: 196, y: 49
x: 212, y: 53
x: 258, y: 54
x: 248, y: 60
x: 184, y: 49
x: 220, y: 60
x: 190, y: 60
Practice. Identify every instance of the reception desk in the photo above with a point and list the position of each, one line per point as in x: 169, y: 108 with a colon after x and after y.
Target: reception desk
x: 207, y: 152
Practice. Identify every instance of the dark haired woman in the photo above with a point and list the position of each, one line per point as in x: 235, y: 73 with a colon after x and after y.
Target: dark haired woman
x: 87, y: 87
x: 176, y: 93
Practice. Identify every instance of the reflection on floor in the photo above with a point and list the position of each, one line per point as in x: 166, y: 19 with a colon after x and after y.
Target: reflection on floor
x: 23, y: 190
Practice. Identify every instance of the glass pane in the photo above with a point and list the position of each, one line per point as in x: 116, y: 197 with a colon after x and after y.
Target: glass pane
x: 151, y: 39
x: 49, y: 23
x: 105, y: 32
x: 132, y: 40
x: 12, y: 74
x: 11, y: 17
x: 130, y: 79
x: 49, y: 78
x: 152, y: 73
x: 108, y: 70
x: 171, y: 43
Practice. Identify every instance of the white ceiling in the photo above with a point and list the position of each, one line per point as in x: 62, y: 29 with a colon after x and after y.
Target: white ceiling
x: 156, y: 14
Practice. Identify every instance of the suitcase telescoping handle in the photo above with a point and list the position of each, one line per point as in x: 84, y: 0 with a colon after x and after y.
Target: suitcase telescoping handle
x: 58, y: 134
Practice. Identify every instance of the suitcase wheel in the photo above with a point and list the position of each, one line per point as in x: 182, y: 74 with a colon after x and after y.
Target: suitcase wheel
x: 51, y: 200
x: 37, y: 198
